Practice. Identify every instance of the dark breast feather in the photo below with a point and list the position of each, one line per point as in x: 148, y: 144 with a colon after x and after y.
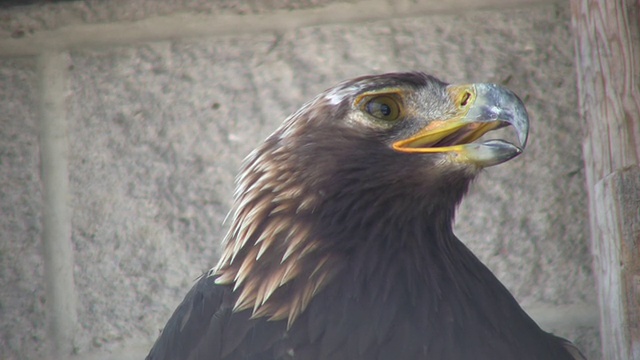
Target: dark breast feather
x: 464, y: 315
x: 205, y: 327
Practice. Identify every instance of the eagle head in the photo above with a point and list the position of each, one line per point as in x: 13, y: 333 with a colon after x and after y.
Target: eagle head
x: 366, y: 164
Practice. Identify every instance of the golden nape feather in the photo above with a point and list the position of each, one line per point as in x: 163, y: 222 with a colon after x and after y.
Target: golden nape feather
x: 265, y: 251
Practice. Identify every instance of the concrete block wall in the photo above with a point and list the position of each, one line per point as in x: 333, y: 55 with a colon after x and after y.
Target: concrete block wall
x: 123, y: 123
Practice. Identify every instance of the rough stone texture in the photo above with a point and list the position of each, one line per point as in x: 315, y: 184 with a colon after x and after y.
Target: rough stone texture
x: 23, y: 21
x: 22, y: 300
x: 532, y: 211
x: 158, y: 131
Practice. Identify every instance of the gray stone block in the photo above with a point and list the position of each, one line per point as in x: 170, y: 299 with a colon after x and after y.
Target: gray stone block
x: 157, y: 135
x: 22, y: 296
x: 526, y: 219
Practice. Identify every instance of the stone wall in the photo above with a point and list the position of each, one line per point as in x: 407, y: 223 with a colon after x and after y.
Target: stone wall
x: 123, y: 124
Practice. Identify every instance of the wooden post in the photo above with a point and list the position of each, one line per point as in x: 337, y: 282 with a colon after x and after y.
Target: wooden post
x: 607, y: 46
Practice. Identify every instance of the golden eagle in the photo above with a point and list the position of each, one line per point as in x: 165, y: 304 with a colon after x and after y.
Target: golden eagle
x: 341, y: 243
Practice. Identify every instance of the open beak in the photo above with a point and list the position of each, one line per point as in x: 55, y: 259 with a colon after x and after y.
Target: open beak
x: 482, y: 108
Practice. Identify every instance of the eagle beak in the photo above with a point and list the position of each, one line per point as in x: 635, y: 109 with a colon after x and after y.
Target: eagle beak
x: 481, y: 108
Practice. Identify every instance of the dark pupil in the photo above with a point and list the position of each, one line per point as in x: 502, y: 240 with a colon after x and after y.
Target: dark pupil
x: 385, y: 109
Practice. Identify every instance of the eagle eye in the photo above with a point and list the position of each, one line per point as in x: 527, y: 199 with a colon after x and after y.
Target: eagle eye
x: 383, y: 107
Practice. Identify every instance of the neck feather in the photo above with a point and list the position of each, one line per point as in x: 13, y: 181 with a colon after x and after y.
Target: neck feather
x: 291, y: 235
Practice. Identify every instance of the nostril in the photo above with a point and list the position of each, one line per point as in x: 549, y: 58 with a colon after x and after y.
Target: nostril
x: 465, y: 98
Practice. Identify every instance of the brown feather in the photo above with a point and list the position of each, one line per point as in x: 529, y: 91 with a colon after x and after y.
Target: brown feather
x: 340, y: 248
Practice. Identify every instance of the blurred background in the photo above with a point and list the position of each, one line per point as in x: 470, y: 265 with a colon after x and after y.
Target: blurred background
x: 123, y: 124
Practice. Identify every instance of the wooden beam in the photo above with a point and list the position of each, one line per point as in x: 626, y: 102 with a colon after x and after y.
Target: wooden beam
x: 607, y: 46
